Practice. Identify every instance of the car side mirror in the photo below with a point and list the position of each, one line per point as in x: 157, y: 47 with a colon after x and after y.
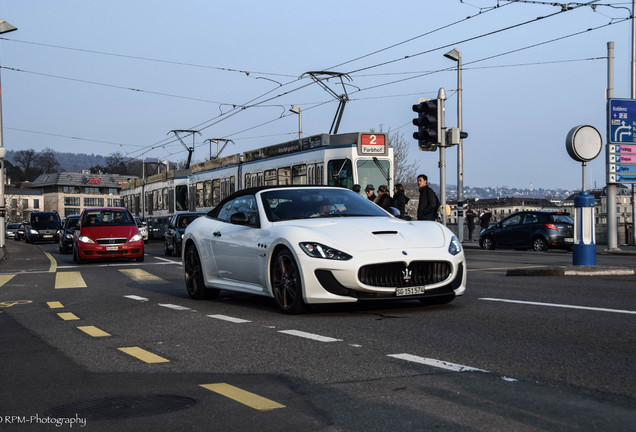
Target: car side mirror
x: 395, y: 212
x: 239, y: 218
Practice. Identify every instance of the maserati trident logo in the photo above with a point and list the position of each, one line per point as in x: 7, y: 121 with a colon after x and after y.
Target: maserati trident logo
x: 406, y: 274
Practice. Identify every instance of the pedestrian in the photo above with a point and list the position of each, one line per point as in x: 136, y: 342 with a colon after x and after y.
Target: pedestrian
x: 383, y: 199
x: 484, y: 219
x: 400, y: 200
x: 429, y: 203
x: 356, y: 188
x: 470, y: 222
x: 370, y: 191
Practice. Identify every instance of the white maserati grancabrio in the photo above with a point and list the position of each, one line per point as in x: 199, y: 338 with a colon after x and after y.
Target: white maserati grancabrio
x: 306, y: 245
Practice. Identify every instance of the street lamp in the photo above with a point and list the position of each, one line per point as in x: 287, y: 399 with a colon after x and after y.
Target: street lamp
x: 5, y: 27
x: 456, y: 55
x: 296, y: 110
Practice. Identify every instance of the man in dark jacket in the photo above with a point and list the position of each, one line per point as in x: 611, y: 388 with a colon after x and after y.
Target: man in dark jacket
x: 427, y: 207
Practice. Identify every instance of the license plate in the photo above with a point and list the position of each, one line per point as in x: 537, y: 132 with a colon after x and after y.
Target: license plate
x: 409, y: 291
x: 47, y: 236
x: 112, y: 248
x: 569, y: 239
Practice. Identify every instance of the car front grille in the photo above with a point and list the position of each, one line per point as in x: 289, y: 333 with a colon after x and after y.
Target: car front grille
x: 397, y: 274
x: 111, y: 241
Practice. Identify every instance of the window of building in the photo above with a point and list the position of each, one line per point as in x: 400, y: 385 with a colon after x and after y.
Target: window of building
x: 36, y: 203
x: 93, y: 202
x: 72, y: 201
x: 25, y: 203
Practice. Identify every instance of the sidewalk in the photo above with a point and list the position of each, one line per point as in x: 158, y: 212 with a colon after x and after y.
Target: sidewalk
x: 574, y: 270
x: 18, y: 256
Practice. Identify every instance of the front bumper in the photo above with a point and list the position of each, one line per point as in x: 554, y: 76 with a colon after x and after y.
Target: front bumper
x: 97, y: 251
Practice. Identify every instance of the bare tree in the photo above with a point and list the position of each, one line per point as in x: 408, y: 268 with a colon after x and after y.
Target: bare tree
x: 404, y: 170
x: 116, y: 165
x: 28, y: 160
x: 47, y: 161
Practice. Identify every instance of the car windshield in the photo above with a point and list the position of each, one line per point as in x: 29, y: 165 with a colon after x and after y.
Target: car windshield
x: 184, y: 220
x: 107, y: 218
x: 71, y: 222
x: 45, y: 221
x: 286, y: 204
x: 13, y: 226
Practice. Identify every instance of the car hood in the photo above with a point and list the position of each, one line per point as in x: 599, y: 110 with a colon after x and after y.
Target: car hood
x: 372, y: 233
x: 110, y: 232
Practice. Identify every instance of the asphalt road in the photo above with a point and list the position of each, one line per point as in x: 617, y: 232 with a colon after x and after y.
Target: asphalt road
x: 120, y: 346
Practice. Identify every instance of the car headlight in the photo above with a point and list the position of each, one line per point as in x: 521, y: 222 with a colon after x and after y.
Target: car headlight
x: 317, y: 250
x: 68, y: 236
x: 34, y: 232
x: 135, y: 238
x: 455, y: 246
x: 84, y: 239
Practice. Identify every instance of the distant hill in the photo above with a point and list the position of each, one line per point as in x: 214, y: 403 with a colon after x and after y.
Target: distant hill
x: 70, y: 161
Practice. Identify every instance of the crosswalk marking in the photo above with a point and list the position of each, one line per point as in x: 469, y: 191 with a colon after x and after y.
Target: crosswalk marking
x: 93, y: 331
x: 143, y: 355
x: 5, y: 278
x: 246, y: 398
x: 67, y: 316
x: 142, y: 276
x: 69, y: 280
x: 55, y: 305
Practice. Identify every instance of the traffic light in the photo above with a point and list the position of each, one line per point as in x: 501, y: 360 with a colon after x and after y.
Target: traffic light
x: 429, y: 129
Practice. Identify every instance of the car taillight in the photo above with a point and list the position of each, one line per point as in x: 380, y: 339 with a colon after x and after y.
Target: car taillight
x: 551, y: 226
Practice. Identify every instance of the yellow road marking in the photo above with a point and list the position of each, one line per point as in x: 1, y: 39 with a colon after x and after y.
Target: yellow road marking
x: 142, y: 276
x: 70, y: 279
x: 67, y: 316
x: 93, y: 331
x: 53, y: 267
x: 10, y: 303
x: 5, y: 278
x: 143, y: 355
x: 55, y: 305
x: 246, y: 398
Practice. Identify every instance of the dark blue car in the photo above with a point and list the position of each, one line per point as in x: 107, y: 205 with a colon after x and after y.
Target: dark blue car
x: 538, y: 230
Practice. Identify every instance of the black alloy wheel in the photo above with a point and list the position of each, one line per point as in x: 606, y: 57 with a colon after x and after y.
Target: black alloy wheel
x: 286, y: 283
x: 487, y: 243
x: 194, y: 276
x: 539, y: 244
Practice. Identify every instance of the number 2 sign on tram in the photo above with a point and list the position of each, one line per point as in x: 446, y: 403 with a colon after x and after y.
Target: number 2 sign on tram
x: 371, y: 144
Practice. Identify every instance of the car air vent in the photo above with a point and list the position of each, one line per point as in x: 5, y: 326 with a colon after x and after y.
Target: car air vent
x: 384, y: 232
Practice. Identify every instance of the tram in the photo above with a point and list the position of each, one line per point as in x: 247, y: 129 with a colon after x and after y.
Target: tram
x: 335, y: 160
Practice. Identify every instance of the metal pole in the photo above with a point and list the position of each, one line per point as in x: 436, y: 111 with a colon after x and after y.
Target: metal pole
x: 441, y: 95
x: 612, y: 229
x: 5, y: 27
x: 460, y: 154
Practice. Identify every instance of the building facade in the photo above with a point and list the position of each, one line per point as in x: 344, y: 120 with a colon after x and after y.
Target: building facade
x: 69, y: 193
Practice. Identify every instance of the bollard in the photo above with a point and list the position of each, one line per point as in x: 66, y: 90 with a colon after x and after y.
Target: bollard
x: 584, y: 251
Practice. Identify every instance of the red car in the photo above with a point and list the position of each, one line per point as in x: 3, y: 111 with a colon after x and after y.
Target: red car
x: 109, y: 232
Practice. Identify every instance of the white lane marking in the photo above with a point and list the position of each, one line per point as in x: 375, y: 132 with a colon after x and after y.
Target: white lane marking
x: 436, y: 363
x: 229, y: 318
x: 134, y: 297
x: 309, y: 336
x: 173, y: 306
x: 561, y: 306
x: 168, y: 261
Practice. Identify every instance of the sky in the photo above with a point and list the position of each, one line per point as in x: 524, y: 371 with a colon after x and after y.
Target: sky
x: 119, y: 76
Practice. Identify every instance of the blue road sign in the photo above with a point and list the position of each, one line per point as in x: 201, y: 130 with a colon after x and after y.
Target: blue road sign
x: 622, y: 121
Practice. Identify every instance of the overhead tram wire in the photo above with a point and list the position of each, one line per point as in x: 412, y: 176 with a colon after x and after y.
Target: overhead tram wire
x: 490, y: 9
x: 498, y: 55
x: 521, y: 24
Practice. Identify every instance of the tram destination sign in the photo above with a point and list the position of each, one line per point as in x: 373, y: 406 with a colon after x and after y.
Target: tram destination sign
x: 621, y: 148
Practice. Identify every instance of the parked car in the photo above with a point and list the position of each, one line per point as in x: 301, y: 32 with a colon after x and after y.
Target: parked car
x: 9, y: 232
x: 43, y: 226
x: 20, y: 233
x: 66, y: 233
x: 317, y: 244
x: 538, y: 230
x: 173, y: 237
x: 107, y: 232
x: 143, y: 228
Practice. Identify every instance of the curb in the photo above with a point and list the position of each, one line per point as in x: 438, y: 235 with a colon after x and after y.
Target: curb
x: 573, y: 271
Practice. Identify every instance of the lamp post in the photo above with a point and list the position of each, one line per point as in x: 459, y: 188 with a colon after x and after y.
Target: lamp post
x: 296, y: 110
x: 456, y: 55
x: 5, y: 27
